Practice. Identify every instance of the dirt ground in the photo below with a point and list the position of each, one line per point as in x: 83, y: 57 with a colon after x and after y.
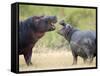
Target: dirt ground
x: 52, y: 60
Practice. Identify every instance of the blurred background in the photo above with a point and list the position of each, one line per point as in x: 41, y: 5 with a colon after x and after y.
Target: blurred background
x: 81, y: 18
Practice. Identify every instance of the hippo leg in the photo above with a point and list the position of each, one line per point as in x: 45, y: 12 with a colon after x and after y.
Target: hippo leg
x: 84, y: 59
x: 89, y: 56
x: 28, y: 55
x: 74, y: 49
x: 74, y: 60
x: 74, y: 57
x: 90, y: 59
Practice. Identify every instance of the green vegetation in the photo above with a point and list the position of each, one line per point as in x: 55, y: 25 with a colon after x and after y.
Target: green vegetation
x: 82, y: 18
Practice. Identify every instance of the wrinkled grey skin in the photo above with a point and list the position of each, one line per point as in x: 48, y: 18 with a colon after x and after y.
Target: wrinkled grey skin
x: 82, y: 43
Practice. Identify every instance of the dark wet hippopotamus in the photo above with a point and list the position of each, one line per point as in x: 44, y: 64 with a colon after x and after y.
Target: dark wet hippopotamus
x: 30, y: 31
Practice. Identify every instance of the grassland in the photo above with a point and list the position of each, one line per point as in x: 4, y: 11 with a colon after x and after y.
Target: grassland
x: 52, y: 59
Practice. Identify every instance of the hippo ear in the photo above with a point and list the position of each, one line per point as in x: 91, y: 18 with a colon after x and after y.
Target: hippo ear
x: 36, y: 21
x: 62, y: 23
x: 37, y: 18
x: 69, y: 26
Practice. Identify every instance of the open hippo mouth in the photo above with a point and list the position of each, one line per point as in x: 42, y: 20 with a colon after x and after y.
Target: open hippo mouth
x: 52, y: 20
x: 52, y: 26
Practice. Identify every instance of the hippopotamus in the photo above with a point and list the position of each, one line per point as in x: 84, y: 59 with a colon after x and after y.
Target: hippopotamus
x: 82, y: 43
x: 30, y: 31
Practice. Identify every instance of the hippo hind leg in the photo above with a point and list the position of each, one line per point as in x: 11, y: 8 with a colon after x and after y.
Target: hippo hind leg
x: 74, y: 60
x: 90, y: 59
x: 84, y: 60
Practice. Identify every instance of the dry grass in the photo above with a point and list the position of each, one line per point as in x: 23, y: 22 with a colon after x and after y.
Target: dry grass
x: 59, y: 59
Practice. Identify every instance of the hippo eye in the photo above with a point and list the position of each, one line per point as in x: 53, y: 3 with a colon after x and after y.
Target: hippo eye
x: 47, y: 21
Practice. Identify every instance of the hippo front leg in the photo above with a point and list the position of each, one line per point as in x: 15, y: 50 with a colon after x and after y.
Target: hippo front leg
x: 74, y: 60
x: 28, y: 55
x: 74, y: 54
x: 74, y: 57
